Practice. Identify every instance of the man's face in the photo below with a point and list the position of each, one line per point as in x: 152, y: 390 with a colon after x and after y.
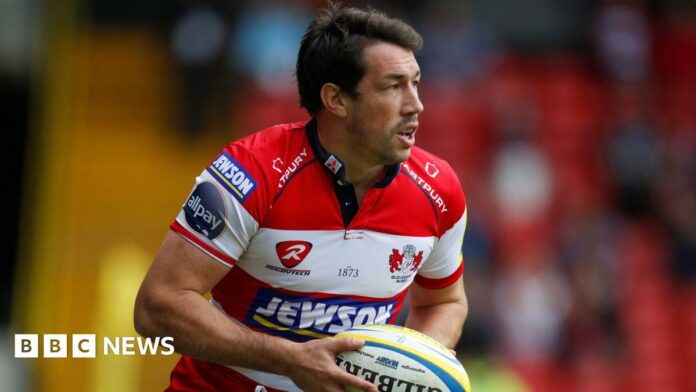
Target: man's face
x: 383, y: 117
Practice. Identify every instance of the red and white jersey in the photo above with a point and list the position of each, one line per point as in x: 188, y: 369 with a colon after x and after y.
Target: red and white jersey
x: 305, y: 261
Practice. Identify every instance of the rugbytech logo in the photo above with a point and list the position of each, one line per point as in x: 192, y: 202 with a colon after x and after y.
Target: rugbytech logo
x: 88, y: 346
x: 291, y: 253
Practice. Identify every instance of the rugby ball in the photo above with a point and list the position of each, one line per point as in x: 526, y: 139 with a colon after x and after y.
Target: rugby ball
x: 399, y: 359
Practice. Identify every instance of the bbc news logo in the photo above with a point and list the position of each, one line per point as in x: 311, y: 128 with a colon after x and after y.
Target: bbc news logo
x: 85, y: 346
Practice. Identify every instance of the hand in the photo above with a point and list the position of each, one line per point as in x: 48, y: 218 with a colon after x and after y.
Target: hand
x: 312, y: 366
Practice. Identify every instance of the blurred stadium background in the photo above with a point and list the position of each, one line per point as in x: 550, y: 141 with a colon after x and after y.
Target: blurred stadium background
x: 571, y: 124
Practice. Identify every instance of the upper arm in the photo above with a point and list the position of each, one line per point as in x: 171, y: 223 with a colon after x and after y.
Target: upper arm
x: 179, y: 265
x: 179, y: 270
x: 216, y: 223
x: 212, y: 230
x: 214, y: 226
x: 422, y: 296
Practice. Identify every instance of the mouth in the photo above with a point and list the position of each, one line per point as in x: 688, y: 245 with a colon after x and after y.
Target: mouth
x: 408, y: 134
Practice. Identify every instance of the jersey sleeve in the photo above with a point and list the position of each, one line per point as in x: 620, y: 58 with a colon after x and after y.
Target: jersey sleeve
x: 221, y: 214
x: 445, y: 264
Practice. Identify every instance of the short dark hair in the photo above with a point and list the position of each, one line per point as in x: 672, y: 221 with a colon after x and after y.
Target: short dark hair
x: 331, y: 49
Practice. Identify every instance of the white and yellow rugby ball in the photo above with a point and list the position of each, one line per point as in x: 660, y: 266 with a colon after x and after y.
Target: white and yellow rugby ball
x: 400, y: 359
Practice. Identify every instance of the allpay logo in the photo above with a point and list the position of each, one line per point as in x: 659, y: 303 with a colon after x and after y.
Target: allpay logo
x: 205, y: 210
x: 85, y: 346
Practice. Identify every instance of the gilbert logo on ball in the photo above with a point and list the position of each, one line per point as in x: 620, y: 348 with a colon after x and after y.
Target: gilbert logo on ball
x: 399, y: 359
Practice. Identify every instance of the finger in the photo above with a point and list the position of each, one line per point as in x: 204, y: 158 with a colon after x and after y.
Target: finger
x: 338, y: 345
x: 350, y: 380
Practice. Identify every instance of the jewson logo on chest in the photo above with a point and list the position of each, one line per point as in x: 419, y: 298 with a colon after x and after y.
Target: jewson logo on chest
x: 307, y: 317
x: 232, y: 176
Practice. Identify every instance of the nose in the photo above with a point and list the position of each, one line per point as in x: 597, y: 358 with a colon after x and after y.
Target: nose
x: 412, y: 104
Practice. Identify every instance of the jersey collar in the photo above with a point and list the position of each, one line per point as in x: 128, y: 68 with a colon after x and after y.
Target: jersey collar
x: 335, y: 166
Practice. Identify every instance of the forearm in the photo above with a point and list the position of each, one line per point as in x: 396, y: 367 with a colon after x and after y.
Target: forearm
x: 439, y: 313
x: 202, y: 331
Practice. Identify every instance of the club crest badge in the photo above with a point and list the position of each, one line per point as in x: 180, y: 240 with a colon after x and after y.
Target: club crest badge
x: 406, y: 261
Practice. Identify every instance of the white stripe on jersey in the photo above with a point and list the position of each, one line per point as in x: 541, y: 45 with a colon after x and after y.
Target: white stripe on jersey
x: 444, y: 259
x: 334, y: 265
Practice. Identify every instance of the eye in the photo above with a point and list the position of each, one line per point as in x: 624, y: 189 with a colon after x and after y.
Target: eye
x: 415, y: 84
x: 394, y: 87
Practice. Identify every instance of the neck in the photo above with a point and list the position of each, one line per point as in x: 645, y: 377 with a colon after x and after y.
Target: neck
x: 335, y: 138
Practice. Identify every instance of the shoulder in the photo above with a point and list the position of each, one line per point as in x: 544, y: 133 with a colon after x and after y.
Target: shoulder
x: 431, y: 171
x: 250, y: 168
x: 438, y: 183
x: 430, y: 165
x: 264, y: 153
x: 270, y: 142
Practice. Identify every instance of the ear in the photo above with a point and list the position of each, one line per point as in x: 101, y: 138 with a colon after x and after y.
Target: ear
x: 334, y: 100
